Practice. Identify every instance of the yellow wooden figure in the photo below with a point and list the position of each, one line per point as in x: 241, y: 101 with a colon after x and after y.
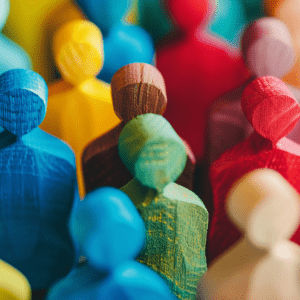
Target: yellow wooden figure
x: 13, y: 284
x: 80, y: 106
x: 32, y: 23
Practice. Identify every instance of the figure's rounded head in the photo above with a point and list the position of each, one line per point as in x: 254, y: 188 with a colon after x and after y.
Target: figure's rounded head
x: 192, y: 13
x: 78, y: 51
x: 267, y: 47
x: 107, y: 228
x: 137, y: 89
x: 152, y: 151
x: 23, y: 100
x: 270, y: 108
x: 4, y: 12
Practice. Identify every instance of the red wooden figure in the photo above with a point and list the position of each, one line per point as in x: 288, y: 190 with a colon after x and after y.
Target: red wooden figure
x: 267, y: 48
x: 197, y: 68
x: 273, y: 112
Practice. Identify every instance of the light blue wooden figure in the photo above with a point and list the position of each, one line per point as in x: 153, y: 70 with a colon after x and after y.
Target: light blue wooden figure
x: 37, y: 184
x: 110, y: 233
x: 107, y: 228
x: 123, y: 43
x: 11, y: 55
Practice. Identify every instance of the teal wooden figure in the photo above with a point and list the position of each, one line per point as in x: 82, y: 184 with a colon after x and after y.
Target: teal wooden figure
x: 123, y: 43
x: 108, y: 230
x: 229, y: 19
x: 11, y: 55
x: 176, y: 219
x: 37, y: 184
x: 154, y: 16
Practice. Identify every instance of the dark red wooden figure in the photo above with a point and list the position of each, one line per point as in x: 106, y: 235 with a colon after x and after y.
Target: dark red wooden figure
x: 273, y: 112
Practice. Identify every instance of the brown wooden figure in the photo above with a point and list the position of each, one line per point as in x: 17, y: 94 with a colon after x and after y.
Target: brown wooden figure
x: 272, y: 110
x: 137, y: 89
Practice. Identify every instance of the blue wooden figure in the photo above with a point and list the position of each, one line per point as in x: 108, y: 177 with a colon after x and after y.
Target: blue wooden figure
x: 37, y: 184
x: 107, y: 228
x: 123, y: 43
x: 11, y: 55
x: 110, y: 233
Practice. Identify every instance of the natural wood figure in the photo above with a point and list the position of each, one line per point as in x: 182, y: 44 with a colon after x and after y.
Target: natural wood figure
x: 37, y: 184
x: 13, y: 284
x: 176, y: 219
x: 32, y: 24
x: 272, y: 110
x: 11, y: 55
x: 263, y: 264
x: 267, y: 50
x: 80, y: 106
x: 136, y: 89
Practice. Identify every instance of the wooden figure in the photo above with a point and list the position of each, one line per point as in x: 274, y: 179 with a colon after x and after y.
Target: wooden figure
x: 32, y: 24
x: 267, y: 50
x: 12, y: 55
x: 123, y: 43
x: 136, y: 89
x: 80, y: 106
x: 154, y: 16
x: 272, y: 110
x: 37, y: 184
x: 197, y: 69
x: 110, y: 233
x: 175, y: 218
x: 13, y: 284
x: 263, y: 264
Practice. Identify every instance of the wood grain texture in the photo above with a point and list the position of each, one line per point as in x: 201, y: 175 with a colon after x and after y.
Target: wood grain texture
x: 101, y: 163
x: 138, y: 89
x: 175, y: 218
x: 80, y: 107
x: 255, y: 152
x: 268, y: 48
x: 265, y: 208
x: 152, y: 151
x: 78, y: 51
x: 37, y: 184
x: 270, y: 108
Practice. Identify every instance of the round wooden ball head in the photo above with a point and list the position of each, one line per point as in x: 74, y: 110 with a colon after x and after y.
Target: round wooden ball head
x: 152, y: 151
x: 138, y: 89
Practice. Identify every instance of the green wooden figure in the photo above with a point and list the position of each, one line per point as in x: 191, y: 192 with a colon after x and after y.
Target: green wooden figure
x: 175, y: 218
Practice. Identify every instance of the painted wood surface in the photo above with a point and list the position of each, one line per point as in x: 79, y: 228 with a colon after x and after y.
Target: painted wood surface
x: 268, y: 49
x: 136, y: 89
x: 271, y: 151
x: 110, y: 233
x: 175, y: 218
x: 80, y: 106
x: 263, y: 264
x: 32, y: 24
x: 37, y: 186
